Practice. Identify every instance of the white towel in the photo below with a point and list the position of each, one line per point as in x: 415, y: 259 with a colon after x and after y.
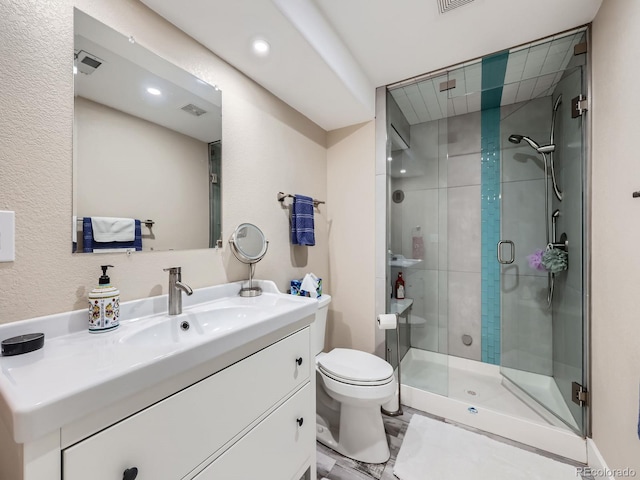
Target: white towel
x: 74, y: 229
x: 113, y: 229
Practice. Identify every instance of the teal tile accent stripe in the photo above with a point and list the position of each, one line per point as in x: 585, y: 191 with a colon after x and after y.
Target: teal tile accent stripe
x: 494, y: 68
x: 493, y: 71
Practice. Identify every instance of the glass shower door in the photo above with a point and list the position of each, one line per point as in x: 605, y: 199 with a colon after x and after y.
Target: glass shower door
x: 542, y: 316
x: 417, y: 243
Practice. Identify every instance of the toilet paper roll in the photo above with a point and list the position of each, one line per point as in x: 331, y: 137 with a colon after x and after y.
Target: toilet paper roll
x: 387, y: 321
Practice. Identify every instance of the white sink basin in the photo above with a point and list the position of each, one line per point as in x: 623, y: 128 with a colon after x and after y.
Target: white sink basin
x: 196, y: 324
x: 77, y: 373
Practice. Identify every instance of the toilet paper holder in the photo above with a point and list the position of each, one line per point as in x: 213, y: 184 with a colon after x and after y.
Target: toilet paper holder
x: 399, y: 411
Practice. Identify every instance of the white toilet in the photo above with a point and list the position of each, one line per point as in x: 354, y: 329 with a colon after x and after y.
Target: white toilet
x: 351, y: 387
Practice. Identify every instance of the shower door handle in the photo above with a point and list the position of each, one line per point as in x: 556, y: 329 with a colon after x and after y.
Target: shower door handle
x: 513, y: 252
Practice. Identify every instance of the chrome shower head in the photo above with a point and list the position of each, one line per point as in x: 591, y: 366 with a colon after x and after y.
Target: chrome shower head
x: 544, y: 149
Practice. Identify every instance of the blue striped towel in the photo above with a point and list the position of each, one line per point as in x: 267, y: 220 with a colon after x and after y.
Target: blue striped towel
x: 89, y: 244
x: 302, y: 227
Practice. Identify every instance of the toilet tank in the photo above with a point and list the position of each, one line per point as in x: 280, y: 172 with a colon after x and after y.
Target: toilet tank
x: 321, y: 323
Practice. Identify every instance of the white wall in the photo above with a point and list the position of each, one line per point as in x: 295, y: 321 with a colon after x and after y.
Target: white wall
x: 615, y: 303
x: 351, y: 214
x: 127, y: 164
x: 267, y: 147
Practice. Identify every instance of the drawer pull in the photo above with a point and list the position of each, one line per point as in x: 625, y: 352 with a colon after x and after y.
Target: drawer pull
x: 300, y: 421
x: 299, y: 360
x: 130, y: 473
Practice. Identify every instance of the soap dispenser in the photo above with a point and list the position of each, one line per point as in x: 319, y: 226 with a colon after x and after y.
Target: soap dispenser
x: 104, y: 305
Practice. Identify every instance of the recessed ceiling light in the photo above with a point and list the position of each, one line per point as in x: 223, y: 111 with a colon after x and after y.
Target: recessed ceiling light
x: 153, y: 91
x: 389, y: 158
x: 403, y: 171
x: 261, y: 47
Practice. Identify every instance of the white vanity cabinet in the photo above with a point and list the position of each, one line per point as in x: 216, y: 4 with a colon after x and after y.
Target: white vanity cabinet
x: 254, y: 419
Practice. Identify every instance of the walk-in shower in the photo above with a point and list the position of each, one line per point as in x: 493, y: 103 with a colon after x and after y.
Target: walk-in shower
x: 485, y: 220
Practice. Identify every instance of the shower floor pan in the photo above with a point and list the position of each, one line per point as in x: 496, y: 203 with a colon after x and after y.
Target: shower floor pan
x: 476, y: 394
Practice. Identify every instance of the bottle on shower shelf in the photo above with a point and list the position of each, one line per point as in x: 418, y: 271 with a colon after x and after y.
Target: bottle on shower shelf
x: 417, y: 243
x: 400, y: 287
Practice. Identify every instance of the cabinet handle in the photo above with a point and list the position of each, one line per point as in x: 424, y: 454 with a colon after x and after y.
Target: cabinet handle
x: 299, y: 360
x: 130, y: 473
x: 300, y: 421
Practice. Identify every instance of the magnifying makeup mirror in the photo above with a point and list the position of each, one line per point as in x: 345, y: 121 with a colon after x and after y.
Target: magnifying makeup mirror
x: 249, y: 245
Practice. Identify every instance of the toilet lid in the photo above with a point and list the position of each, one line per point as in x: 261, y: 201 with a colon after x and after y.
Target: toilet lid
x: 355, y: 366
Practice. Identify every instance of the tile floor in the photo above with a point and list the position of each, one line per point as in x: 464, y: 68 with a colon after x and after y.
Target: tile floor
x: 333, y: 466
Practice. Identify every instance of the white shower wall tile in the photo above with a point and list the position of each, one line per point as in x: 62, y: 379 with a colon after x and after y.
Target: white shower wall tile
x: 395, y: 214
x: 526, y: 324
x: 463, y: 170
x: 520, y: 162
x: 443, y: 152
x: 531, y: 119
x: 443, y: 229
x: 570, y: 178
x: 413, y: 183
x: 463, y: 134
x: 465, y: 315
x: 523, y: 218
x: 381, y: 225
x: 395, y: 217
x: 443, y: 311
x: 420, y: 208
x: 424, y: 150
x: 422, y: 287
x: 464, y: 228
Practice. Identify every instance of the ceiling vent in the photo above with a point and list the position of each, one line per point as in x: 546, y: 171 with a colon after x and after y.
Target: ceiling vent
x: 193, y: 110
x: 87, y: 63
x: 448, y: 5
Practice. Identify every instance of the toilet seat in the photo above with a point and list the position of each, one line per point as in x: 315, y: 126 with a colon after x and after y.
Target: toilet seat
x: 355, y: 367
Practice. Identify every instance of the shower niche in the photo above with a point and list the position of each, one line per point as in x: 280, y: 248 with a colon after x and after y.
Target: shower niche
x: 491, y: 166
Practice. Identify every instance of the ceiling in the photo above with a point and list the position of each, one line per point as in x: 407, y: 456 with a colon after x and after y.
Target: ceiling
x: 532, y: 71
x: 327, y: 56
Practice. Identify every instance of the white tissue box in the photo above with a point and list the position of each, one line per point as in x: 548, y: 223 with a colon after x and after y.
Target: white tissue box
x: 296, y: 289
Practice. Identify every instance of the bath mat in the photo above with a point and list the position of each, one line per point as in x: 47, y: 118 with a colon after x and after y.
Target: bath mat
x: 436, y: 450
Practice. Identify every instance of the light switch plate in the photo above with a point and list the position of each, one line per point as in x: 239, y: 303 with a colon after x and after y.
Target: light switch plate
x: 7, y: 236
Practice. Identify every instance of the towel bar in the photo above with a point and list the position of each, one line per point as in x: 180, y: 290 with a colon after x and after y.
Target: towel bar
x: 148, y: 223
x: 282, y: 196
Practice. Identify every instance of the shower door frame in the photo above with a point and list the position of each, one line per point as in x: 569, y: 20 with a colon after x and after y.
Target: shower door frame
x: 587, y: 232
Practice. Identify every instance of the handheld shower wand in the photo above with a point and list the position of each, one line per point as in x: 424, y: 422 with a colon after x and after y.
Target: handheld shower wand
x: 540, y: 149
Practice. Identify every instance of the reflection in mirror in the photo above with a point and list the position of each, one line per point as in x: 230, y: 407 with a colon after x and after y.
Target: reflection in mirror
x: 147, y: 151
x: 249, y: 245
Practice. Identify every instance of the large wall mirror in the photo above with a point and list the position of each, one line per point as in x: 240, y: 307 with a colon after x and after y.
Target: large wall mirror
x: 146, y: 148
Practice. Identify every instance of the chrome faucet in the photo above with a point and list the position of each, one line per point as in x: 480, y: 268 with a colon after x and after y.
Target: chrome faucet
x: 176, y: 287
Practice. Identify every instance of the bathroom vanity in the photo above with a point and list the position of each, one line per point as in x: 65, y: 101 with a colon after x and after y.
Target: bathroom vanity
x: 220, y: 391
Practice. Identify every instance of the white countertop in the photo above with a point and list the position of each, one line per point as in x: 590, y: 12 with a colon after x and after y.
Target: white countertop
x: 77, y: 373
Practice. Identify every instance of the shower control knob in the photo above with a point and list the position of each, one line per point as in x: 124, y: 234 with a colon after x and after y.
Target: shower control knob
x: 130, y: 473
x: 299, y: 360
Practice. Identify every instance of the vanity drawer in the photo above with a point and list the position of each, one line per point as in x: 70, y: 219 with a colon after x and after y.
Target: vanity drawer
x: 276, y: 449
x: 172, y: 437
